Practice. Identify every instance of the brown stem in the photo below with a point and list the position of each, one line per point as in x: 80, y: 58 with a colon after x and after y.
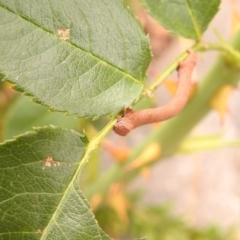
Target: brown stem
x: 131, y: 119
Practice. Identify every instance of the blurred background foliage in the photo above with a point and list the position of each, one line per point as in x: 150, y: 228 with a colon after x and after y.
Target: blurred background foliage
x: 121, y: 213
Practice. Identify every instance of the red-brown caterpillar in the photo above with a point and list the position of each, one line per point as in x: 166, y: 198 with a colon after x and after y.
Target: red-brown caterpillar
x: 131, y: 119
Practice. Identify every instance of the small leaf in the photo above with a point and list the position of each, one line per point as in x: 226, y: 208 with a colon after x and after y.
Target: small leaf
x: 86, y: 58
x: 25, y: 114
x: 219, y: 101
x: 150, y: 154
x: 119, y: 152
x: 172, y: 87
x: 188, y: 18
x: 118, y: 201
x: 39, y: 195
x: 145, y: 173
x: 235, y: 17
x: 96, y: 201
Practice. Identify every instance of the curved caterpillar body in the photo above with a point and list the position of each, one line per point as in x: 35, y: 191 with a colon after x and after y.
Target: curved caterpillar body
x: 131, y: 119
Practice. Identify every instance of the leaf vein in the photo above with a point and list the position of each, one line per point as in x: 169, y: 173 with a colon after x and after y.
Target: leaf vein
x: 111, y: 65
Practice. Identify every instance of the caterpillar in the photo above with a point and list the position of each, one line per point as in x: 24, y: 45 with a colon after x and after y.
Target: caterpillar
x: 132, y: 119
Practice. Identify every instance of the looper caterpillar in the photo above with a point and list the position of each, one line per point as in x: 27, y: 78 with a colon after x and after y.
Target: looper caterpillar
x: 132, y: 119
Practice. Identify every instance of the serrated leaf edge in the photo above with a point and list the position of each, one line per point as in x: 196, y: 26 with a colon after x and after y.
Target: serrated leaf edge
x: 38, y: 101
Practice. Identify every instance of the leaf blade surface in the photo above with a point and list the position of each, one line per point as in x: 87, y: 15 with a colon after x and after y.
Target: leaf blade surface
x: 39, y: 195
x: 188, y: 18
x: 96, y: 70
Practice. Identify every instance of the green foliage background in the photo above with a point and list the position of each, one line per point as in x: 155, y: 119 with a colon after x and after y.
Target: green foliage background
x: 96, y: 71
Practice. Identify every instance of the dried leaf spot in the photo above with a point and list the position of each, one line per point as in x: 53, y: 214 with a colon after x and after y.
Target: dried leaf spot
x: 64, y: 34
x: 56, y: 164
x: 40, y: 231
x: 48, y: 161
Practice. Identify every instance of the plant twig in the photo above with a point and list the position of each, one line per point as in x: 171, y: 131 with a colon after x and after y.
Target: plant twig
x: 170, y: 134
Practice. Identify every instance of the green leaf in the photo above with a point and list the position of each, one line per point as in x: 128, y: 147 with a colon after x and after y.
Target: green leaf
x: 24, y: 114
x: 39, y: 195
x: 188, y: 18
x: 87, y: 58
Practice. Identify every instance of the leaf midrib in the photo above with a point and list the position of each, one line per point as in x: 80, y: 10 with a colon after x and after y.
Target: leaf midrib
x: 77, y: 47
x: 90, y: 147
x: 198, y: 32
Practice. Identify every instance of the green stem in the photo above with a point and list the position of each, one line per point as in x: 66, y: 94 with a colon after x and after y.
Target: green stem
x: 171, y: 68
x: 224, y: 47
x: 170, y: 133
x: 94, y: 142
x: 104, y: 131
x: 228, y: 50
